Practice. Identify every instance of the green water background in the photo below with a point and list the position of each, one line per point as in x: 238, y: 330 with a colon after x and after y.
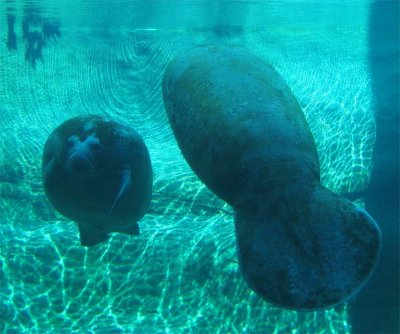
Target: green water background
x: 181, y: 275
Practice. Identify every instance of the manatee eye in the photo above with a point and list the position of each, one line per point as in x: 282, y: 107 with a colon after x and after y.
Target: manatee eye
x: 71, y: 141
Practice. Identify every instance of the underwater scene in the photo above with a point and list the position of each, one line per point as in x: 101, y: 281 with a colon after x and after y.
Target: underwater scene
x: 180, y: 259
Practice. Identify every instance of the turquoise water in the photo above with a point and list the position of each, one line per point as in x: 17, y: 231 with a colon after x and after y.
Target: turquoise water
x: 181, y: 274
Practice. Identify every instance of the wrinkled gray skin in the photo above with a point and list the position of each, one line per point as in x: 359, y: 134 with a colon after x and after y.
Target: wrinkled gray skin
x: 97, y: 173
x: 240, y: 128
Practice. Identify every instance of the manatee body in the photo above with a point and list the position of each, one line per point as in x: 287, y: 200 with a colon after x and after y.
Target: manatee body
x: 243, y: 133
x: 97, y: 173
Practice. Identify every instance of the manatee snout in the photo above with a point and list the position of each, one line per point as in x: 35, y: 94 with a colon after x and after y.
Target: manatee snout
x: 79, y: 163
x: 81, y: 154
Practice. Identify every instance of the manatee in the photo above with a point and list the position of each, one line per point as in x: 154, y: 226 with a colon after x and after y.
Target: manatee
x: 98, y: 173
x: 238, y: 125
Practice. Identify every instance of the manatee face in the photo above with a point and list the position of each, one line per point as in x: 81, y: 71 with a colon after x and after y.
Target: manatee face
x: 97, y: 173
x: 82, y: 156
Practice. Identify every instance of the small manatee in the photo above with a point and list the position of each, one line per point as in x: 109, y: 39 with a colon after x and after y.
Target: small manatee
x: 237, y: 123
x: 98, y: 173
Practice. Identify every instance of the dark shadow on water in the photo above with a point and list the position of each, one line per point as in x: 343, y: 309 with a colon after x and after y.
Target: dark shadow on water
x: 51, y: 30
x: 226, y: 20
x: 37, y: 31
x: 11, y: 35
x: 376, y: 308
x: 222, y: 30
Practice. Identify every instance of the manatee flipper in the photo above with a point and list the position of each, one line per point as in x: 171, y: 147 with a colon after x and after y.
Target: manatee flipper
x: 126, y: 181
x: 49, y: 167
x: 90, y: 236
x: 308, y: 253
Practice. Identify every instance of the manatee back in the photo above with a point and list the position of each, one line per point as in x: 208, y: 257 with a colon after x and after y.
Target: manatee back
x: 243, y: 133
x: 231, y: 112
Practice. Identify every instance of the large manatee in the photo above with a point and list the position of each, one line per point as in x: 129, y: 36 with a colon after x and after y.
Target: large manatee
x: 98, y: 173
x: 300, y: 246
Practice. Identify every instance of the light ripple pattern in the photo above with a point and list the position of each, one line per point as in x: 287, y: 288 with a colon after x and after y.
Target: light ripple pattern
x: 181, y: 274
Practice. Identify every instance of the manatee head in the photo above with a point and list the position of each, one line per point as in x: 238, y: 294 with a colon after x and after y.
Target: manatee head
x: 82, y: 155
x: 82, y: 146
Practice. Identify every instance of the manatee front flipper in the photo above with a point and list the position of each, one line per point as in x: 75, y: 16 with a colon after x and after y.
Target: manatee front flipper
x: 126, y: 182
x: 48, y: 168
x: 90, y: 237
x: 309, y: 253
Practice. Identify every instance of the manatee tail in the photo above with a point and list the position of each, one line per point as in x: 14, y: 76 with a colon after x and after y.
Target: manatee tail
x: 89, y: 236
x: 306, y: 252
